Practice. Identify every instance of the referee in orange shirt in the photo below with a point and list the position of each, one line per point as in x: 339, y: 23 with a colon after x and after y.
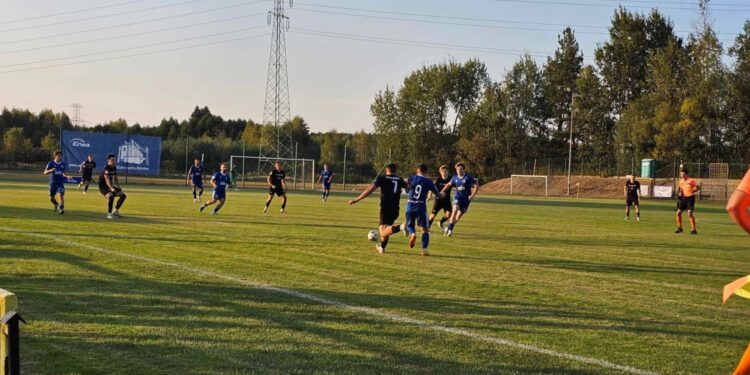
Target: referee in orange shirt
x: 687, y: 187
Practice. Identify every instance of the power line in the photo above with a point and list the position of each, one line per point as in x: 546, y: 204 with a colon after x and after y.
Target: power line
x: 131, y: 48
x: 132, y: 34
x: 444, y: 22
x: 134, y: 23
x: 137, y: 54
x: 658, y: 3
x: 404, y: 42
x: 494, y: 20
x: 70, y: 12
x: 544, y: 2
x: 101, y: 16
x: 461, y: 24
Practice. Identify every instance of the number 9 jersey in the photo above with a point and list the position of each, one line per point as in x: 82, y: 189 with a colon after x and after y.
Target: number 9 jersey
x: 419, y: 186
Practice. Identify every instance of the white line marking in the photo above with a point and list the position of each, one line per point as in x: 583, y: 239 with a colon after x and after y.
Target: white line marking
x: 366, y: 310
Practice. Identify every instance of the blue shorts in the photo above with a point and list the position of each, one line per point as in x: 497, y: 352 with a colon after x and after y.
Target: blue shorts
x: 462, y: 203
x: 327, y: 186
x: 420, y: 217
x: 56, y: 188
x: 218, y: 195
x: 198, y: 183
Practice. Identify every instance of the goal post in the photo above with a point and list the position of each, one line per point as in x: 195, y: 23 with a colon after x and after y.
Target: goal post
x: 514, y: 178
x: 253, y: 170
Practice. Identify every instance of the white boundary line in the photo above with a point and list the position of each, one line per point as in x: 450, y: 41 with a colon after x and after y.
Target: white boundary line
x: 365, y: 310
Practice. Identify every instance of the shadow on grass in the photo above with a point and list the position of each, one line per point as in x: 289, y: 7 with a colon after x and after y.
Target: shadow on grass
x: 661, y: 205
x: 121, y: 323
x: 71, y: 214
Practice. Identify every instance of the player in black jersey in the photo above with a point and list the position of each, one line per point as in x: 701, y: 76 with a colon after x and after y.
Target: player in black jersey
x: 110, y: 187
x: 391, y: 186
x: 87, y: 173
x: 632, y: 197
x: 277, y: 186
x: 443, y: 204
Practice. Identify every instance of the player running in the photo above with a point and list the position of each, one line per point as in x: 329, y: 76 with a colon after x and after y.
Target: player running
x: 442, y: 204
x: 109, y: 186
x: 687, y: 187
x: 219, y: 181
x: 391, y: 186
x: 87, y: 173
x: 325, y: 177
x: 467, y: 188
x: 739, y: 203
x: 277, y: 182
x: 56, y: 169
x: 195, y: 175
x: 419, y: 187
x: 632, y: 192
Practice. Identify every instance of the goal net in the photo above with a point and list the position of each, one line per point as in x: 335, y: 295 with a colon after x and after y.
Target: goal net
x: 252, y: 171
x: 529, y: 185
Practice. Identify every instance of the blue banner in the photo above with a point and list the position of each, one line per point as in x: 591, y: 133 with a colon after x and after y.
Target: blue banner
x: 136, y: 154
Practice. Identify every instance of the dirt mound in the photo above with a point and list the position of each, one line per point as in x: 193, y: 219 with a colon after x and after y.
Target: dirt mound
x: 589, y: 187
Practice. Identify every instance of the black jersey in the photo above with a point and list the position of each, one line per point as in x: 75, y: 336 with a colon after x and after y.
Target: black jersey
x: 633, y: 188
x: 391, y: 187
x: 87, y: 167
x: 108, y: 172
x: 441, y: 183
x: 277, y: 177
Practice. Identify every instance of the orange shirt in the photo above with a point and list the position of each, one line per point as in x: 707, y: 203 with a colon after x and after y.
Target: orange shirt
x: 687, y: 187
x: 744, y: 186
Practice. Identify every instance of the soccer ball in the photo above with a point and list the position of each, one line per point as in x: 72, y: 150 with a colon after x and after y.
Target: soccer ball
x: 373, y: 235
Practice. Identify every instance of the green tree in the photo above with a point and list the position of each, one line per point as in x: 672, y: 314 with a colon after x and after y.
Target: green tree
x: 560, y: 74
x: 594, y: 127
x: 16, y: 146
x: 738, y: 131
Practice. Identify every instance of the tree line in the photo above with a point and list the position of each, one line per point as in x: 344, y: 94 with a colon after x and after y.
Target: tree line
x: 28, y: 138
x: 648, y: 94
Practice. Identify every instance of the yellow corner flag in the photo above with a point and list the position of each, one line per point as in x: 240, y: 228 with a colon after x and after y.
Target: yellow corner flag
x: 740, y: 287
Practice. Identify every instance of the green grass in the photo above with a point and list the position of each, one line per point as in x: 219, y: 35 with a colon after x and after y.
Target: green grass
x: 560, y: 274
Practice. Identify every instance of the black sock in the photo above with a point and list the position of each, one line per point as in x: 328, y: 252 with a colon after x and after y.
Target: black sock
x: 109, y: 204
x: 283, y: 206
x: 443, y: 220
x: 86, y: 188
x: 53, y: 200
x: 383, y: 244
x: 62, y: 207
x: 121, y: 201
x: 200, y: 193
x: 396, y: 228
x: 268, y: 203
x: 195, y: 196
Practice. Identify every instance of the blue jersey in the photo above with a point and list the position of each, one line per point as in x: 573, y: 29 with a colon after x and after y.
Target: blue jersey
x: 56, y: 177
x: 197, y: 172
x: 326, y: 175
x: 221, y: 180
x: 463, y: 186
x: 419, y: 186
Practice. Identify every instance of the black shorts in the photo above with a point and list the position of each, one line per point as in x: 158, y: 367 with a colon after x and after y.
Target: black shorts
x: 86, y: 177
x: 106, y: 190
x: 632, y: 200
x: 388, y: 215
x: 278, y: 190
x: 442, y: 204
x: 686, y: 203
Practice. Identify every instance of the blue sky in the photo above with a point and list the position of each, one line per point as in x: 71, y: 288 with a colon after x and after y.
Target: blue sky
x: 332, y: 80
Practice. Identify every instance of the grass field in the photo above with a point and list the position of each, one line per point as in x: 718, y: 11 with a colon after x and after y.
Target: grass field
x: 526, y: 286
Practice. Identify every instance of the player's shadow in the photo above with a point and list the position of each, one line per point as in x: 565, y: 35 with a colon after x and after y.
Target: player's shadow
x: 71, y: 215
x: 702, y: 206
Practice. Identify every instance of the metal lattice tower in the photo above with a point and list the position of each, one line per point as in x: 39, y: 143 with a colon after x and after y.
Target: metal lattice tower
x: 76, y: 114
x: 275, y: 140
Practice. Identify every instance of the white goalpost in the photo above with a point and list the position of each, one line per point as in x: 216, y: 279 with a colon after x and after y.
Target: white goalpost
x: 517, y: 177
x: 255, y: 170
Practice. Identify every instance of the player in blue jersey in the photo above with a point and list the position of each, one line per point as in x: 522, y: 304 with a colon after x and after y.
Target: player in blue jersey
x: 56, y: 170
x: 219, y: 181
x: 419, y: 187
x: 466, y: 189
x: 195, y: 177
x: 325, y: 178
